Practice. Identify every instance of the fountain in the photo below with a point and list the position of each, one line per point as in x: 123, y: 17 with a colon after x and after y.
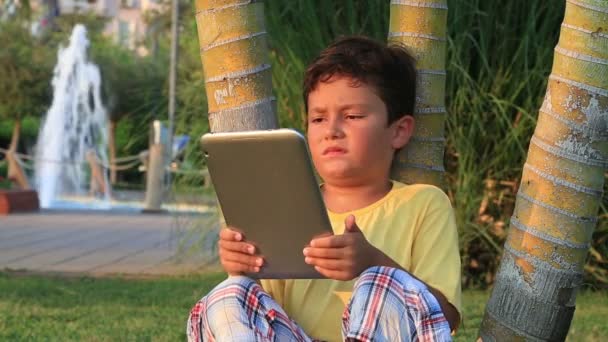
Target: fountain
x: 73, y: 138
x: 74, y: 125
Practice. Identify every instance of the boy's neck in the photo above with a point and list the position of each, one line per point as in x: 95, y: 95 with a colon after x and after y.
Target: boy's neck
x: 341, y: 198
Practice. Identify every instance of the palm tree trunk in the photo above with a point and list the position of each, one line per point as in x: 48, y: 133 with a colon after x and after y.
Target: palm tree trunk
x: 112, y: 146
x: 234, y: 53
x: 561, y: 188
x: 421, y: 27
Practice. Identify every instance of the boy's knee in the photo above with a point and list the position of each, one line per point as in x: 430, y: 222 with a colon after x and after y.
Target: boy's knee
x: 382, y: 276
x: 227, y: 299
x: 233, y: 289
x: 382, y: 293
x: 222, y: 306
x: 376, y: 274
x: 373, y: 279
x: 376, y: 270
x: 242, y: 281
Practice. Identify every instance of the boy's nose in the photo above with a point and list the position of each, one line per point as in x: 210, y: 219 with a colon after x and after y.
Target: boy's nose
x: 334, y: 129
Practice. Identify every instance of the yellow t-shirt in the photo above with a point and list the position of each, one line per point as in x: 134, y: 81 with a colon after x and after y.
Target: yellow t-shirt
x: 413, y: 225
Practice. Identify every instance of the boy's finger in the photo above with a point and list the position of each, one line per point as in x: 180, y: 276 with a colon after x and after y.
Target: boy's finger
x: 243, y: 259
x: 324, y: 272
x: 241, y: 247
x: 328, y: 264
x: 351, y: 225
x: 236, y: 267
x: 322, y: 235
x: 334, y: 241
x: 327, y: 253
x: 331, y: 274
x: 229, y: 233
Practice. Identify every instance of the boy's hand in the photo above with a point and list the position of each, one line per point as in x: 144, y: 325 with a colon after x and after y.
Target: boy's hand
x: 342, y: 257
x: 236, y: 255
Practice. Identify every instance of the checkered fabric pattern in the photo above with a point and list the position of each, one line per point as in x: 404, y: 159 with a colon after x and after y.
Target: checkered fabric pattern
x: 239, y: 310
x: 387, y: 305
x: 390, y: 305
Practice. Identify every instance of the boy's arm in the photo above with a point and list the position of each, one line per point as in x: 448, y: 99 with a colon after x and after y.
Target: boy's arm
x: 344, y: 257
x: 449, y: 311
x: 275, y: 288
x: 435, y: 255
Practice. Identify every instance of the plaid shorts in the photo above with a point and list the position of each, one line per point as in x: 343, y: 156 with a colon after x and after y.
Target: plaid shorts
x: 387, y: 304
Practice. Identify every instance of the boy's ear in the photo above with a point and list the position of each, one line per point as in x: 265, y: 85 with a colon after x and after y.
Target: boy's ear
x: 403, y: 128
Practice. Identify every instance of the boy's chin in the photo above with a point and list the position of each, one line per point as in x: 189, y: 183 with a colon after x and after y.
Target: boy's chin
x: 339, y: 176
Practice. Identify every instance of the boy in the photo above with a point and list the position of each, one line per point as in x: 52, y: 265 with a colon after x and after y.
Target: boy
x: 393, y: 265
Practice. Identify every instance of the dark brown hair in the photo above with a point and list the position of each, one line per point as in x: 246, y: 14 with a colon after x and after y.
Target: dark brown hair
x: 389, y: 69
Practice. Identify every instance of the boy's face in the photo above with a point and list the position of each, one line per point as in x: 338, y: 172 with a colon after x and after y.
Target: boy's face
x: 350, y: 141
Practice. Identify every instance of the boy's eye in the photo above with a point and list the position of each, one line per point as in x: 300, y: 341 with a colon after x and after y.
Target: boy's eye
x: 354, y: 116
x: 316, y: 120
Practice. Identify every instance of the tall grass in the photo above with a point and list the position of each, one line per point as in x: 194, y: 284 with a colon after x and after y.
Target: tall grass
x: 499, y: 57
x: 299, y: 30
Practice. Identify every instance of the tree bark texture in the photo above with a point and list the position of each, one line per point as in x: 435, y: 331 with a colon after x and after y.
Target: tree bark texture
x: 421, y: 26
x: 234, y: 54
x: 560, y: 191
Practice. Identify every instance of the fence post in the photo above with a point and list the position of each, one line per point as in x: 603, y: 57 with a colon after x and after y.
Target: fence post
x: 155, y: 170
x: 154, y: 179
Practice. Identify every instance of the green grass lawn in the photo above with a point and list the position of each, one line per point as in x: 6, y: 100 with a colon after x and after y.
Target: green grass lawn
x: 112, y: 309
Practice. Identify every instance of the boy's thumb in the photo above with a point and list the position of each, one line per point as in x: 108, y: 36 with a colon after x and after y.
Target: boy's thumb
x: 351, y: 225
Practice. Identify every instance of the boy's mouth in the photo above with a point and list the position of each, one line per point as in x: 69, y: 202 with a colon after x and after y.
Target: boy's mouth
x: 334, y: 150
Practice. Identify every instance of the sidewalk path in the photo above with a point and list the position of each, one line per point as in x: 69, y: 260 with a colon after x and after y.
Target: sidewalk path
x: 92, y: 242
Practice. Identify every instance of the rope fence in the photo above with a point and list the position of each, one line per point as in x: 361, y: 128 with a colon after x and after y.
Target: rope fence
x: 25, y: 165
x: 120, y: 164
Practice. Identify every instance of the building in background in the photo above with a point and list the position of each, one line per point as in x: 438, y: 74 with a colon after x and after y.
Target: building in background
x: 127, y: 25
x: 126, y: 18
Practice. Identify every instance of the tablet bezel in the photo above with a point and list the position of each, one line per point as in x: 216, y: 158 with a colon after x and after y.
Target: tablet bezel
x: 266, y: 187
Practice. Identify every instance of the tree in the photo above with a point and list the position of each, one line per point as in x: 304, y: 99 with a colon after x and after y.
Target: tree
x: 24, y: 85
x: 117, y: 67
x: 234, y: 53
x: 236, y: 67
x: 560, y: 190
x: 421, y: 27
x: 132, y: 86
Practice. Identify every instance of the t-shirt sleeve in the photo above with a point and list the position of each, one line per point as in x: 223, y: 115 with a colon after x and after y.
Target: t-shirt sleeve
x: 435, y: 251
x: 275, y: 288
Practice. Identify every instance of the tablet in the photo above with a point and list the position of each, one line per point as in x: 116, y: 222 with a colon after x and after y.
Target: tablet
x: 266, y: 187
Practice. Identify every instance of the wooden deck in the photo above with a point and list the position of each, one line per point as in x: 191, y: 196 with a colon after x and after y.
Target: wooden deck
x: 95, y: 243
